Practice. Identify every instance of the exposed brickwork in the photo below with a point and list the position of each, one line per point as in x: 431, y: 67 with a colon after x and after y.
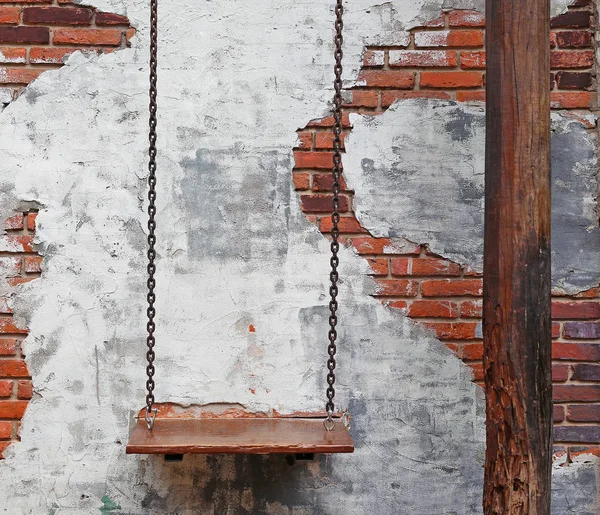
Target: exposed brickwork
x: 37, y: 35
x: 446, y: 60
x: 20, y: 264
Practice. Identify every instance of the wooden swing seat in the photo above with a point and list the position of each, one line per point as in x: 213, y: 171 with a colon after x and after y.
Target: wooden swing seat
x: 239, y: 436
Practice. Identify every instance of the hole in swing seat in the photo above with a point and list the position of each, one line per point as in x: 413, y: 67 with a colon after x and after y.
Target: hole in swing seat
x: 249, y: 435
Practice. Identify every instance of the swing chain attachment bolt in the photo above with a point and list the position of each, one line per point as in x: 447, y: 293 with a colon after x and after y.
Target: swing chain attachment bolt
x: 150, y: 419
x: 329, y: 423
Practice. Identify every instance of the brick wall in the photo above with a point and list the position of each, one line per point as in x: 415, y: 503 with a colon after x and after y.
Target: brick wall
x: 37, y: 35
x: 446, y: 60
x: 19, y: 263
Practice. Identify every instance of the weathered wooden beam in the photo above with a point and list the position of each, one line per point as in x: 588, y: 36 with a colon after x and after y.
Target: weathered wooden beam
x: 517, y: 324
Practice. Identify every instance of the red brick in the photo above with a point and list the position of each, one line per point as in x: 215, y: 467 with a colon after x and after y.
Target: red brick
x: 397, y: 304
x: 571, y: 100
x: 111, y: 19
x: 301, y: 180
x: 423, y: 58
x: 314, y: 160
x: 305, y: 140
x: 576, y: 393
x: 560, y: 373
x: 449, y: 38
x: 433, y: 309
x: 324, y: 140
x: 328, y: 121
x: 471, y: 309
x: 33, y: 35
x: 424, y: 267
x: 19, y: 76
x: 576, y: 351
x: 575, y: 310
x: 388, y: 97
x: 27, y: 1
x: 553, y: 42
x: 556, y: 330
x: 470, y: 96
x: 57, y: 15
x: 13, y: 55
x: 558, y: 414
x: 574, y: 80
x: 5, y: 430
x: 451, y: 79
x: 24, y: 390
x: 431, y: 267
x: 6, y: 388
x: 401, y: 266
x: 477, y: 369
x: 7, y: 326
x: 572, y: 19
x: 13, y: 410
x: 574, y: 39
x: 8, y: 347
x: 15, y: 222
x: 582, y: 330
x: 579, y: 434
x: 322, y: 203
x: 387, y: 79
x: 586, y: 372
x: 472, y: 60
x: 31, y: 218
x: 572, y: 59
x: 584, y: 413
x: 379, y: 266
x: 347, y: 224
x: 438, y: 22
x: 16, y: 281
x: 5, y: 309
x: 466, y: 19
x: 454, y: 330
x: 370, y: 245
x: 396, y: 287
x: 452, y: 288
x: 109, y: 37
x: 13, y: 368
x: 588, y: 294
x: 10, y: 15
x: 373, y: 58
x: 32, y: 264
x: 472, y: 351
x: 364, y: 99
x: 578, y: 450
x: 53, y: 55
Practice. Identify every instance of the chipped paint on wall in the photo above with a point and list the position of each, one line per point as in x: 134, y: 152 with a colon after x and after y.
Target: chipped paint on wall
x: 235, y: 84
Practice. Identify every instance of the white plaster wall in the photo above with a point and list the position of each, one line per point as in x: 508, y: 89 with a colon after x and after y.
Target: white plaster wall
x: 236, y: 81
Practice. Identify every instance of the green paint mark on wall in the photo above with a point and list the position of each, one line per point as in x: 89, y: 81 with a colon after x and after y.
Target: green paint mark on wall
x: 108, y: 505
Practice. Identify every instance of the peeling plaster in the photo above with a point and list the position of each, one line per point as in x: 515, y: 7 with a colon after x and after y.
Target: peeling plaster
x: 418, y: 173
x: 230, y: 103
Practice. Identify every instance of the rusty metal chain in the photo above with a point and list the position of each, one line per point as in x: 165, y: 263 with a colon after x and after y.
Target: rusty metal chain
x: 335, y: 217
x: 150, y: 415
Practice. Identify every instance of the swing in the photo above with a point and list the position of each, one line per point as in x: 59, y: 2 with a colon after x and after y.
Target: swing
x: 254, y: 434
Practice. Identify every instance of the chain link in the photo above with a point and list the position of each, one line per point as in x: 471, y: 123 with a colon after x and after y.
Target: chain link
x: 151, y: 312
x: 335, y: 217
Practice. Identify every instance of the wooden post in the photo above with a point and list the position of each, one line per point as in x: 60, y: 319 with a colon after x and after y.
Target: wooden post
x: 517, y: 322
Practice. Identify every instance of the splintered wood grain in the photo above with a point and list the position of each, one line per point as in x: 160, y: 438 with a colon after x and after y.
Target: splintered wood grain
x: 517, y: 323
